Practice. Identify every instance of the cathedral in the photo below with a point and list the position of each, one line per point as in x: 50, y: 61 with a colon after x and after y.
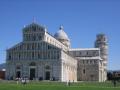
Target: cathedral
x: 43, y: 56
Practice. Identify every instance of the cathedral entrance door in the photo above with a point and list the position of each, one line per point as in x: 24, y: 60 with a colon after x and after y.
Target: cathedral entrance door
x: 47, y: 74
x: 32, y: 73
x: 18, y: 74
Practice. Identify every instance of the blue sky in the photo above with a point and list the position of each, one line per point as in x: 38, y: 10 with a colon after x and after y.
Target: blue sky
x: 82, y: 20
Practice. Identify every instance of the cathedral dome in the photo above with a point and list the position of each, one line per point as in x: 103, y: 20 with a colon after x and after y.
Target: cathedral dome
x: 61, y: 35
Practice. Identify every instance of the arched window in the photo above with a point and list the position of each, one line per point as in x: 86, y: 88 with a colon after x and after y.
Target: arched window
x: 33, y: 55
x: 34, y: 37
x: 19, y: 56
x: 34, y: 28
x: 39, y: 46
x: 39, y: 37
x: 39, y: 56
x: 28, y: 47
x: 84, y: 71
x: 9, y: 57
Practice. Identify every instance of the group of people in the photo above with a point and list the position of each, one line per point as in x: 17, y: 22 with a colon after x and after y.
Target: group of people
x: 22, y: 80
x: 68, y: 83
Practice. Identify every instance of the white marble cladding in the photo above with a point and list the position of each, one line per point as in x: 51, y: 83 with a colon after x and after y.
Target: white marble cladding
x: 33, y: 51
x: 69, y: 67
x: 40, y: 67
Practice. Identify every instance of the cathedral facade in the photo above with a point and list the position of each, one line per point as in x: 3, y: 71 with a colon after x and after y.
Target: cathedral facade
x: 43, y: 56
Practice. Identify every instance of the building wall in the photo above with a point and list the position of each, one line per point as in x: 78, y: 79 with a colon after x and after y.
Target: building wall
x: 40, y: 69
x: 69, y: 67
x: 90, y: 65
x: 88, y: 70
x: 63, y: 70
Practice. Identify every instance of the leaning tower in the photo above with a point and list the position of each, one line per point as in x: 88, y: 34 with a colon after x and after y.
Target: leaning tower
x: 102, y: 43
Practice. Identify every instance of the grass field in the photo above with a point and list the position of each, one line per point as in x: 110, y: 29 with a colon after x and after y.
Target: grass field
x: 12, y: 85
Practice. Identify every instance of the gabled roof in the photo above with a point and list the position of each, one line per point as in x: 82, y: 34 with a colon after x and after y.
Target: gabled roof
x: 34, y: 26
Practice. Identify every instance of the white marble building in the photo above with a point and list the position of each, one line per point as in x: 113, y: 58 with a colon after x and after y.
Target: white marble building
x: 43, y: 56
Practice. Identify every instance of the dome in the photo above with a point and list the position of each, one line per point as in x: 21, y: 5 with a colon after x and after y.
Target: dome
x: 61, y: 35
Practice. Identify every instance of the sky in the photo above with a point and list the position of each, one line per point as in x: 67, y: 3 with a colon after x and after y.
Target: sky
x: 82, y: 20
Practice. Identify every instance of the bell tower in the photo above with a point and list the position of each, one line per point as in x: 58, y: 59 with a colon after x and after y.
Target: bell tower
x: 102, y: 43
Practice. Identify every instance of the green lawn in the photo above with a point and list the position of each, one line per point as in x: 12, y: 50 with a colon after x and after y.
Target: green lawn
x: 58, y: 86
